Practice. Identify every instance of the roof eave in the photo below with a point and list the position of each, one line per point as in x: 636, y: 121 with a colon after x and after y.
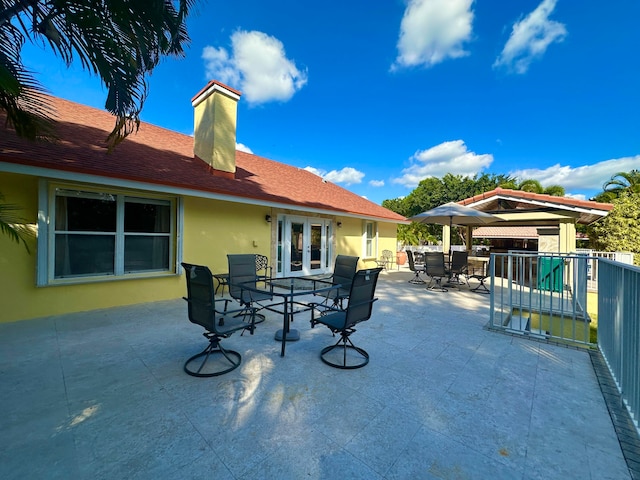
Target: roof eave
x: 164, y: 188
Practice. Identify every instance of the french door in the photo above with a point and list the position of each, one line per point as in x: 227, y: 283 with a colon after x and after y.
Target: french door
x: 304, y: 246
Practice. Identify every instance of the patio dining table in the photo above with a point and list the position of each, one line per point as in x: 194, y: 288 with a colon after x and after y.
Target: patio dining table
x: 290, y: 289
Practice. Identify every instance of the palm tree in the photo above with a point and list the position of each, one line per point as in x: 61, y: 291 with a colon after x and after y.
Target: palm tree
x: 623, y: 181
x: 617, y: 184
x: 534, y: 186
x: 122, y: 41
x: 12, y: 224
x: 554, y: 190
x: 530, y: 185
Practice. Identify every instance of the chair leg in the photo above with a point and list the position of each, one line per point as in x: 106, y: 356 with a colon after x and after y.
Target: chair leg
x: 481, y: 288
x: 250, y: 311
x: 346, y: 345
x: 253, y: 316
x: 438, y: 285
x: 417, y: 280
x: 229, y: 359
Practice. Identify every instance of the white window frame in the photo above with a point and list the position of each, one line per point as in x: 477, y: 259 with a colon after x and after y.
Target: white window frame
x: 46, y: 232
x: 371, y: 241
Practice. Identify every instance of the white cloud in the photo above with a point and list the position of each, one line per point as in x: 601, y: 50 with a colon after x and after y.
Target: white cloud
x: 315, y: 171
x: 588, y: 177
x: 448, y: 157
x: 432, y: 31
x: 347, y: 175
x: 258, y: 66
x: 530, y: 38
x: 377, y: 183
x: 576, y: 196
x: 243, y: 148
x: 218, y: 66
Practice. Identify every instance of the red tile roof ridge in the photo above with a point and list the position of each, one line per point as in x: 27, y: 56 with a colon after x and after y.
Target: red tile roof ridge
x: 543, y: 197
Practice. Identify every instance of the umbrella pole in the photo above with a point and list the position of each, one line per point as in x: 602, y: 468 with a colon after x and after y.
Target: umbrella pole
x: 450, y: 239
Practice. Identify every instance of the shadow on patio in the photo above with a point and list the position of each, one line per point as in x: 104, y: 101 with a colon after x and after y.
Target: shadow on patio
x: 102, y: 394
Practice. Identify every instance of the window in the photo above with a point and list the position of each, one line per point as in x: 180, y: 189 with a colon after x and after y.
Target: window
x: 369, y: 237
x: 97, y: 234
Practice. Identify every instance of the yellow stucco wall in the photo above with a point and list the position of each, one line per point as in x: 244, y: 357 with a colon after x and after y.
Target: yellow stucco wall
x: 567, y: 236
x: 210, y: 232
x: 349, y: 240
x: 387, y: 240
x: 22, y: 299
x: 349, y: 237
x: 212, y: 229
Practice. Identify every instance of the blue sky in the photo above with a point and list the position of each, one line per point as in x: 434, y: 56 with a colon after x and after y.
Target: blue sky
x: 376, y: 96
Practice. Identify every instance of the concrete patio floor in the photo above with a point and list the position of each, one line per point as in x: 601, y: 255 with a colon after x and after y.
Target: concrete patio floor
x: 102, y: 395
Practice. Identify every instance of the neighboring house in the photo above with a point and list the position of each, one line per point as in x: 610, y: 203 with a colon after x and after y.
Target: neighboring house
x: 532, y: 221
x: 113, y: 228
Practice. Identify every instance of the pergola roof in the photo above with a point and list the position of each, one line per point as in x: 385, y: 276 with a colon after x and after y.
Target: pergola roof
x: 503, y: 201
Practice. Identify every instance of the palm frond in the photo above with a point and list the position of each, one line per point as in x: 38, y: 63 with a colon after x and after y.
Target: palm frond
x: 21, y: 96
x: 14, y: 226
x: 122, y: 41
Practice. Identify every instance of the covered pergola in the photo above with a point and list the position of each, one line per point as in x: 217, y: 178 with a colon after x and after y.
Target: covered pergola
x: 553, y: 218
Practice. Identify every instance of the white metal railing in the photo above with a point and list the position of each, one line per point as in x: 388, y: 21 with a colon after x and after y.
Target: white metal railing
x: 592, y: 265
x: 541, y: 295
x: 619, y: 328
x: 476, y: 249
x: 545, y: 296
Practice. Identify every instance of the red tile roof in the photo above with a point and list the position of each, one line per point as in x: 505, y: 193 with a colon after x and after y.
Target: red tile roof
x: 159, y: 156
x: 589, y: 211
x: 519, y: 194
x: 505, y: 232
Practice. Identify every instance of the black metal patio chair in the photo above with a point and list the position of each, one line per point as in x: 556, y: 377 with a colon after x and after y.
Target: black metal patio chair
x: 459, y: 267
x: 435, y: 269
x: 344, y: 354
x: 243, y: 271
x: 481, y: 275
x: 263, y: 269
x: 214, y: 360
x: 344, y: 270
x: 416, y: 268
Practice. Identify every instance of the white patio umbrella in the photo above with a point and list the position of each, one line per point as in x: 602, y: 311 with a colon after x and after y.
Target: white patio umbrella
x: 454, y: 214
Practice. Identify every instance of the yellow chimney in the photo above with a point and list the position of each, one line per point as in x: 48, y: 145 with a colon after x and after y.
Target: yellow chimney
x: 215, y: 114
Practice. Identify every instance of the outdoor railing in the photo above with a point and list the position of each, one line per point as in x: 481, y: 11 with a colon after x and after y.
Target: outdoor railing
x: 541, y: 295
x: 545, y: 296
x: 619, y: 328
x: 592, y: 265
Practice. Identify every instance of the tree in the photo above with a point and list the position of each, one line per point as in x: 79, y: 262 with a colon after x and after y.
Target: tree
x: 619, y: 183
x: 432, y: 192
x: 511, y: 184
x: 620, y: 230
x: 395, y: 205
x: 530, y: 185
x: 555, y: 190
x: 122, y: 41
x: 415, y: 234
x: 12, y: 225
x: 533, y: 186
